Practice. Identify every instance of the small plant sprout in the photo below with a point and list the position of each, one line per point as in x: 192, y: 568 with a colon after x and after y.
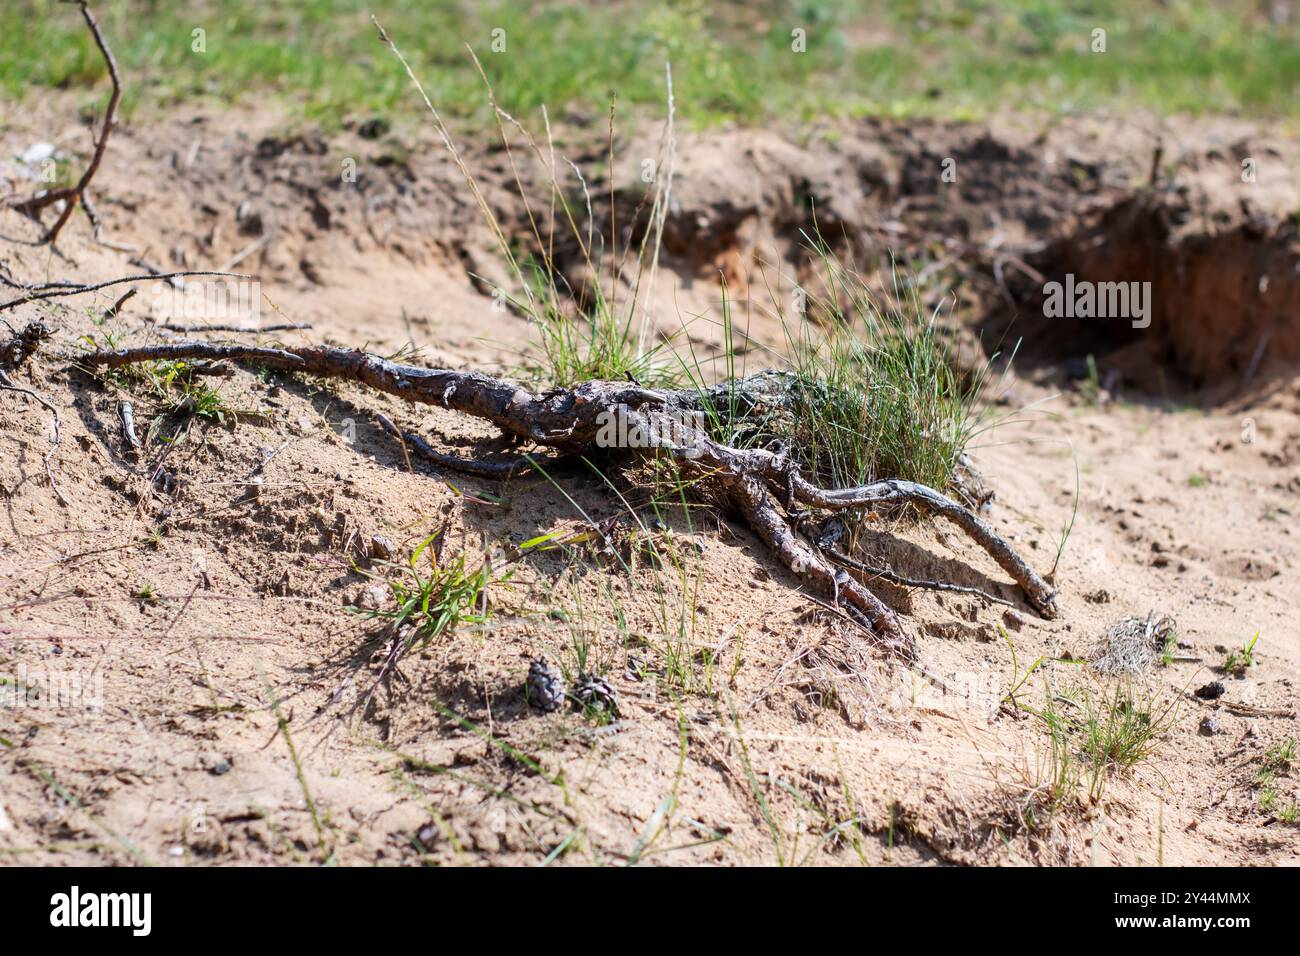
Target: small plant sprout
x: 433, y: 596
x: 1239, y: 661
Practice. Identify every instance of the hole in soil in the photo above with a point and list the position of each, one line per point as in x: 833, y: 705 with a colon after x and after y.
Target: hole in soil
x: 1206, y: 304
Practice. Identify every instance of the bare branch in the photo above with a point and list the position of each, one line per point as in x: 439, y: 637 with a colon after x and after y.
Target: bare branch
x: 839, y: 557
x: 249, y: 329
x: 895, y: 490
x: 110, y: 120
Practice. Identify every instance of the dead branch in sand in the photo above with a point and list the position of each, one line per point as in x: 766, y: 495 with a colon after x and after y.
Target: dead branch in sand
x: 766, y: 487
x: 76, y: 194
x: 248, y: 329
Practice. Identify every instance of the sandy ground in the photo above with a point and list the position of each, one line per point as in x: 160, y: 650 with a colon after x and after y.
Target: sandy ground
x: 197, y: 692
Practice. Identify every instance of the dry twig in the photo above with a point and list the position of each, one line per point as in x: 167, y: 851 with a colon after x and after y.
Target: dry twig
x: 74, y: 195
x: 246, y: 329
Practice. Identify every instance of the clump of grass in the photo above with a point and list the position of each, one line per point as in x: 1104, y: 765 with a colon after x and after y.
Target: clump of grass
x: 1057, y: 782
x: 1267, y: 797
x: 1241, y: 660
x: 583, y: 348
x: 1119, y: 731
x: 146, y: 594
x: 433, y: 597
x: 593, y: 343
x: 585, y: 329
x: 1278, y: 761
x: 171, y: 385
x: 197, y: 400
x: 1053, y: 786
x: 687, y: 666
x: 1281, y: 756
x: 1096, y: 736
x: 878, y: 395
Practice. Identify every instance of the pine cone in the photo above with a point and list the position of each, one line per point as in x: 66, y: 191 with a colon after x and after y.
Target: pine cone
x: 545, y: 686
x: 595, y: 693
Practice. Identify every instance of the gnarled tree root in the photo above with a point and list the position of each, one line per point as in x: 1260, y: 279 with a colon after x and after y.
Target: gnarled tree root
x: 579, y: 419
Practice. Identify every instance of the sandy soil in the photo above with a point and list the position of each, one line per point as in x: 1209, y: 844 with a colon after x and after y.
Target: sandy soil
x: 223, y: 713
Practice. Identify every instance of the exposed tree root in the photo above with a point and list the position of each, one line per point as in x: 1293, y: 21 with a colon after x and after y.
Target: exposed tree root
x: 512, y: 468
x: 892, y: 577
x: 766, y: 487
x: 243, y: 329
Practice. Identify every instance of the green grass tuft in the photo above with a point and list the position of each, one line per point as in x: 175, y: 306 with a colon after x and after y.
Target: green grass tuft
x: 435, y: 596
x: 879, y: 395
x: 1239, y: 661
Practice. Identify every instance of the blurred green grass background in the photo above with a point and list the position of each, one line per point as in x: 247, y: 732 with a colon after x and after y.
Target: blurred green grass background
x: 731, y: 61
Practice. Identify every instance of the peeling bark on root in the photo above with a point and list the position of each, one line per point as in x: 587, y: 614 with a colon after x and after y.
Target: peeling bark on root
x: 570, y: 420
